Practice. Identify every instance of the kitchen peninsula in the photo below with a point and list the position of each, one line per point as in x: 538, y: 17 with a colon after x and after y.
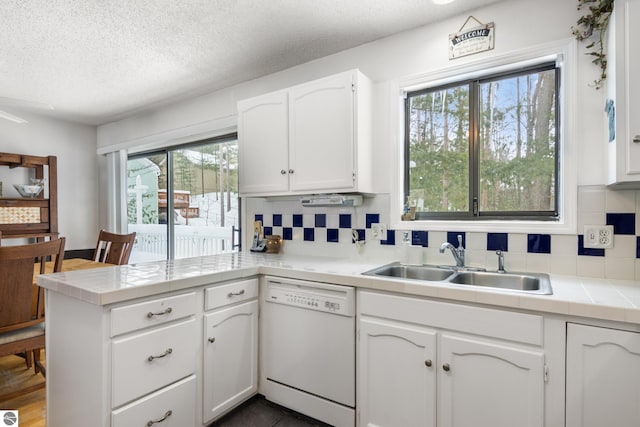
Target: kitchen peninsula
x: 129, y: 343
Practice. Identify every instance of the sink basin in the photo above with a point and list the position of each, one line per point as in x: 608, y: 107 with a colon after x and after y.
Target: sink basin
x: 536, y: 283
x: 527, y: 282
x: 416, y: 272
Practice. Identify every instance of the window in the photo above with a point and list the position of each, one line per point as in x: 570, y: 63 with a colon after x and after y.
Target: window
x: 485, y: 148
x: 183, y: 201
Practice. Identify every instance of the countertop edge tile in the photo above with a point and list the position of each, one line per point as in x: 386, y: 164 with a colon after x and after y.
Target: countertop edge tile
x: 605, y: 299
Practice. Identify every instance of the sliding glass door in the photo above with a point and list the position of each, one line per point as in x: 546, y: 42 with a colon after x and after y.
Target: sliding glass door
x: 183, y: 201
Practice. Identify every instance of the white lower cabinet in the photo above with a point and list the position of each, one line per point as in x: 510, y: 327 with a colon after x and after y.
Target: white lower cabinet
x: 148, y: 361
x: 414, y: 370
x: 173, y: 406
x: 178, y: 359
x: 397, y: 374
x: 603, y: 377
x: 489, y: 384
x: 230, y: 371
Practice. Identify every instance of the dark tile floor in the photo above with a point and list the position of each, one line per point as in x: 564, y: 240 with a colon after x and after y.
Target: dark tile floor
x: 259, y: 412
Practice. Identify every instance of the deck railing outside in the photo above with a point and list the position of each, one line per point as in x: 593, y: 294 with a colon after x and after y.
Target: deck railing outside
x: 190, y: 241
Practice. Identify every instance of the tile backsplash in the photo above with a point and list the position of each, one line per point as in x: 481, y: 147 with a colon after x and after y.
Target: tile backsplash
x: 335, y: 232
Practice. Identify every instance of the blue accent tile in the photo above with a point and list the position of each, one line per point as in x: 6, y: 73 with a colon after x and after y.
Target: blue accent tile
x: 497, y: 242
x: 623, y: 223
x: 332, y: 235
x: 309, y: 234
x: 287, y: 233
x: 420, y: 238
x: 391, y: 238
x: 345, y: 220
x: 452, y: 237
x: 321, y: 220
x: 637, y: 247
x: 371, y: 219
x: 277, y: 220
x: 258, y: 217
x: 539, y: 243
x: 297, y: 220
x: 588, y: 251
x: 361, y: 235
x: 267, y: 231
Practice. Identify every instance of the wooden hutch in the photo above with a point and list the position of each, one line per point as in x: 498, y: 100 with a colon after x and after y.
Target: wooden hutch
x: 31, y: 217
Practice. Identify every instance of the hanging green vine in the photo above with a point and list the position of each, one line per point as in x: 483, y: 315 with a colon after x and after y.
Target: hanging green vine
x: 594, y: 25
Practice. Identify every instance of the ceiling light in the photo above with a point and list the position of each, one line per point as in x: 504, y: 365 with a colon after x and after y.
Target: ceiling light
x: 440, y: 2
x: 11, y: 117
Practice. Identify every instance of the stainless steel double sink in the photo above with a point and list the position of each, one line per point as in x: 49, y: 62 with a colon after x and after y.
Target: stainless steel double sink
x: 535, y: 283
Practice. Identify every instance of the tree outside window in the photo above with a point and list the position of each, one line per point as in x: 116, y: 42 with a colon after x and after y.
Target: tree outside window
x: 485, y: 148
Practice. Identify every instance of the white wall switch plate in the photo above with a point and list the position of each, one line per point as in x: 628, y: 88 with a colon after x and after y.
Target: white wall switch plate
x: 379, y: 231
x: 598, y: 236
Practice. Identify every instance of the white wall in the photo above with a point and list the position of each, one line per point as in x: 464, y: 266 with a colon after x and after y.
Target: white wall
x: 75, y: 147
x: 519, y: 24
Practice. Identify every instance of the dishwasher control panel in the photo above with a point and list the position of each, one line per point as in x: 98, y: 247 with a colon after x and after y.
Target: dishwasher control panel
x: 313, y: 296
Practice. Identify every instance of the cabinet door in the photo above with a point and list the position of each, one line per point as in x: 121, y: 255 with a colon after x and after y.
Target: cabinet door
x: 603, y: 377
x: 488, y: 384
x: 263, y: 137
x: 321, y: 148
x: 230, y: 357
x: 632, y: 55
x: 396, y: 368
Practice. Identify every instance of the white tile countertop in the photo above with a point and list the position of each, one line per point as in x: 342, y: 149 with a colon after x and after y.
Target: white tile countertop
x: 616, y: 300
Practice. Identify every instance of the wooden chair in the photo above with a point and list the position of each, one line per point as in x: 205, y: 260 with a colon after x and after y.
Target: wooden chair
x: 21, y: 327
x: 113, y: 248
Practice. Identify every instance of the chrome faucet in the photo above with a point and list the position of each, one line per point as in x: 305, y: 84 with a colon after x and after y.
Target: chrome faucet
x: 458, y: 253
x: 500, y: 261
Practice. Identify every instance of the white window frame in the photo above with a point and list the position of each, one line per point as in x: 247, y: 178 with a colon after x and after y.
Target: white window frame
x: 564, y: 53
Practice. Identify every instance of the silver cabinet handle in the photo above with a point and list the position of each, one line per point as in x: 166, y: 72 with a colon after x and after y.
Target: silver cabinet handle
x: 636, y: 139
x: 290, y: 170
x: 446, y: 367
x: 211, y: 340
x: 166, y: 415
x: 235, y: 294
x: 166, y: 353
x: 428, y: 363
x: 283, y: 172
x: 161, y: 313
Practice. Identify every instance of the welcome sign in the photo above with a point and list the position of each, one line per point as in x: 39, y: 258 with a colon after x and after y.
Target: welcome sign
x: 472, y: 40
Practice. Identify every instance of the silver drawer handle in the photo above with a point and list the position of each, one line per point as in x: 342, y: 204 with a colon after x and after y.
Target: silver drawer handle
x: 161, y: 313
x: 636, y: 139
x: 235, y: 294
x: 166, y: 353
x: 166, y: 415
x: 211, y: 340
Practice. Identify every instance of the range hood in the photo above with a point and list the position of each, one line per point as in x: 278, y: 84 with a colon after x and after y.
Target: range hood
x: 336, y: 200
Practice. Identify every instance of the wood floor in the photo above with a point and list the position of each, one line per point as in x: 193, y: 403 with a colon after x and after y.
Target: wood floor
x: 14, y: 375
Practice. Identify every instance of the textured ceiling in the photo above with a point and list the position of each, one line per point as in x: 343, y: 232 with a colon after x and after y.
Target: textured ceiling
x: 97, y: 61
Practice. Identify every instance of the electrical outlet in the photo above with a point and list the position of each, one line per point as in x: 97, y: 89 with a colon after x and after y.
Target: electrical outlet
x: 598, y: 236
x: 379, y: 231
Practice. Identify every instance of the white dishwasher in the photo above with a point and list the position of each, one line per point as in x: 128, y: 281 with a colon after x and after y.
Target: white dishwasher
x: 309, y: 348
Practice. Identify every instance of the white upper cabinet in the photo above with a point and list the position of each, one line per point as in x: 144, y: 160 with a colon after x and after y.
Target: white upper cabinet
x: 263, y: 136
x: 310, y: 138
x: 623, y: 86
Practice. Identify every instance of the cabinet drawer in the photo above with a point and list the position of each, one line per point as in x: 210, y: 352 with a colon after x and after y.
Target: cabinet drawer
x: 151, y: 360
x: 176, y: 402
x: 218, y: 296
x: 150, y: 313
